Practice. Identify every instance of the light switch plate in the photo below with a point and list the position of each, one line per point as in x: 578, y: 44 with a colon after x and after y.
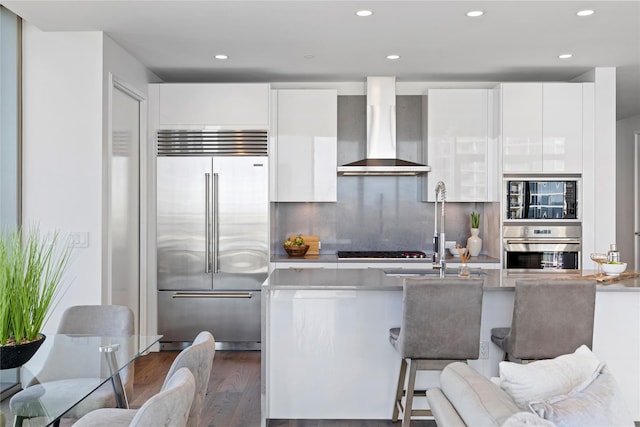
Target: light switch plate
x: 79, y: 239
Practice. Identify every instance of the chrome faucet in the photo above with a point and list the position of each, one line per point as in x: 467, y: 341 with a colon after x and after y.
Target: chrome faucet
x: 438, y: 240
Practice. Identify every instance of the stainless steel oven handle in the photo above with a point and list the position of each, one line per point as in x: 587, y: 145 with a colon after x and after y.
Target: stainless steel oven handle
x: 212, y: 295
x: 545, y: 241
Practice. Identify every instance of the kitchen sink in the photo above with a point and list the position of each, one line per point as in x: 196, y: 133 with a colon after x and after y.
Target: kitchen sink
x: 424, y: 272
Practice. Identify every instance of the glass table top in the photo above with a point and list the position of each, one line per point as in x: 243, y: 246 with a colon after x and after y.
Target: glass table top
x: 81, y: 360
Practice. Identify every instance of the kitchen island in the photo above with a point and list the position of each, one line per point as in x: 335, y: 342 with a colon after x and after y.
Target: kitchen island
x: 326, y: 352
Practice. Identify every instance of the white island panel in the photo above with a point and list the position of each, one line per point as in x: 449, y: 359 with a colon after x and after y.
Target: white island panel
x: 326, y: 350
x: 329, y: 354
x: 616, y: 341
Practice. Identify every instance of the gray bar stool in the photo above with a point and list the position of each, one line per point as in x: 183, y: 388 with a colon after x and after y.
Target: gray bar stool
x: 550, y: 318
x: 440, y: 325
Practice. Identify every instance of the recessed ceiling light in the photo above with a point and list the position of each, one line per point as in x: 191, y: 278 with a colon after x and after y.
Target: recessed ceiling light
x: 475, y: 13
x: 364, y: 13
x: 393, y: 56
x: 221, y: 57
x: 309, y: 56
x: 565, y: 56
x: 585, y: 12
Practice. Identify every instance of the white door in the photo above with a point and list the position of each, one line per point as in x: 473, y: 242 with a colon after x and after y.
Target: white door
x: 124, y: 233
x: 636, y: 192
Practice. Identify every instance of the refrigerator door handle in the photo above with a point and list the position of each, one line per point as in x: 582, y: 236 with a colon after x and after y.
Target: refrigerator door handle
x: 212, y: 295
x: 216, y: 231
x: 207, y: 224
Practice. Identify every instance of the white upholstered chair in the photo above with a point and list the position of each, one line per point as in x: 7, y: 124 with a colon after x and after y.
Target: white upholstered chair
x: 169, y: 408
x: 106, y: 320
x: 198, y: 358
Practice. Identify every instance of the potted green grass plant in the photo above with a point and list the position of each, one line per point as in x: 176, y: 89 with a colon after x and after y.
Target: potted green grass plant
x: 474, y: 243
x: 31, y: 273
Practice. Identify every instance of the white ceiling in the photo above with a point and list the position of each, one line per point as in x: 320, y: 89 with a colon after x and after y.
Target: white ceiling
x: 269, y: 41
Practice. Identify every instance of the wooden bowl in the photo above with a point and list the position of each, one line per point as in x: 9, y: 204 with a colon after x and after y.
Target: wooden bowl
x: 296, y: 251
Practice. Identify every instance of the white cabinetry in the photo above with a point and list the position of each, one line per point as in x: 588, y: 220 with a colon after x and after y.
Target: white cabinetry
x: 542, y: 127
x: 422, y: 264
x: 225, y: 105
x: 297, y: 265
x: 463, y: 153
x: 562, y: 127
x: 304, y: 148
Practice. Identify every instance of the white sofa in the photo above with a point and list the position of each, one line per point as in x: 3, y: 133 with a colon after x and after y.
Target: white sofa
x: 571, y: 390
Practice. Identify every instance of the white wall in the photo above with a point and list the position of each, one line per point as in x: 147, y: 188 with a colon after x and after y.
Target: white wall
x: 625, y: 226
x: 62, y: 148
x: 65, y: 162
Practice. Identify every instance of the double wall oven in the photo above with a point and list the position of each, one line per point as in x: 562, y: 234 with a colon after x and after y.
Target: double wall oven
x: 542, y: 232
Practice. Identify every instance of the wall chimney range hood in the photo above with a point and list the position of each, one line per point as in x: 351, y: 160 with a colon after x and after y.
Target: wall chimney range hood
x: 381, y: 156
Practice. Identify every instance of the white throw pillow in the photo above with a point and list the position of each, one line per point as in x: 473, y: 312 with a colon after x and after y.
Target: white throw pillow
x: 545, y: 378
x: 521, y: 419
x: 597, y: 402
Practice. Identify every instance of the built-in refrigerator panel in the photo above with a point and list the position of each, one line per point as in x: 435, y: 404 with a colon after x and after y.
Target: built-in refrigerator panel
x: 230, y: 318
x: 212, y: 235
x: 240, y: 245
x: 181, y: 223
x: 212, y: 223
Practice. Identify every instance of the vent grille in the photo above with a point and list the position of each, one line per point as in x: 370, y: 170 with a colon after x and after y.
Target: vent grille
x: 212, y: 142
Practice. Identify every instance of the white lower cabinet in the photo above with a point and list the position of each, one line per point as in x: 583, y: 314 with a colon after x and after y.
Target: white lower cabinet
x: 463, y: 152
x: 301, y: 264
x: 304, y: 145
x: 386, y: 265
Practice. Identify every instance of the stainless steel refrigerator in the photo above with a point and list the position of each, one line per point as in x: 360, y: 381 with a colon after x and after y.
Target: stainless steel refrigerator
x: 212, y: 235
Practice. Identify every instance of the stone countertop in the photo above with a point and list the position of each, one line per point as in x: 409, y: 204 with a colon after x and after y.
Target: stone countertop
x: 375, y: 279
x: 330, y: 258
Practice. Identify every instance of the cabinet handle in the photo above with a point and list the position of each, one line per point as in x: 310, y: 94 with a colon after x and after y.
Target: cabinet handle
x: 212, y: 295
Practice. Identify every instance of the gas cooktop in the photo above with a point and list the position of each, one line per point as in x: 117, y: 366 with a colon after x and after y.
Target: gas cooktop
x: 381, y: 254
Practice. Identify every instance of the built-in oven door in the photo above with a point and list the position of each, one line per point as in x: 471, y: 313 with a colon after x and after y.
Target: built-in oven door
x: 531, y: 256
x: 541, y: 200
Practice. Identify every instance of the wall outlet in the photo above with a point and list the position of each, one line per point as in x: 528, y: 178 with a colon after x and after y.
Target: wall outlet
x: 484, y: 349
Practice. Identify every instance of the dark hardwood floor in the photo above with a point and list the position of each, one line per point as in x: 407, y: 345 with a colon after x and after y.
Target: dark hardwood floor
x: 233, y: 396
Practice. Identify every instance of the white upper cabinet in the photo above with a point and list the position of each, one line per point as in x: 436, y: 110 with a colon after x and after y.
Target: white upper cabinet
x: 542, y: 127
x: 227, y: 105
x: 521, y: 127
x: 462, y: 151
x: 304, y: 145
x: 562, y: 127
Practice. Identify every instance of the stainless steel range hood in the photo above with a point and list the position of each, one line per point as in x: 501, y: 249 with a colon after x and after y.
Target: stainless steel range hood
x: 381, y: 135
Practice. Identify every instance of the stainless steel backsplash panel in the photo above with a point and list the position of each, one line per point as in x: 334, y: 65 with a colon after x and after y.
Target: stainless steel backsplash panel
x: 379, y: 213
